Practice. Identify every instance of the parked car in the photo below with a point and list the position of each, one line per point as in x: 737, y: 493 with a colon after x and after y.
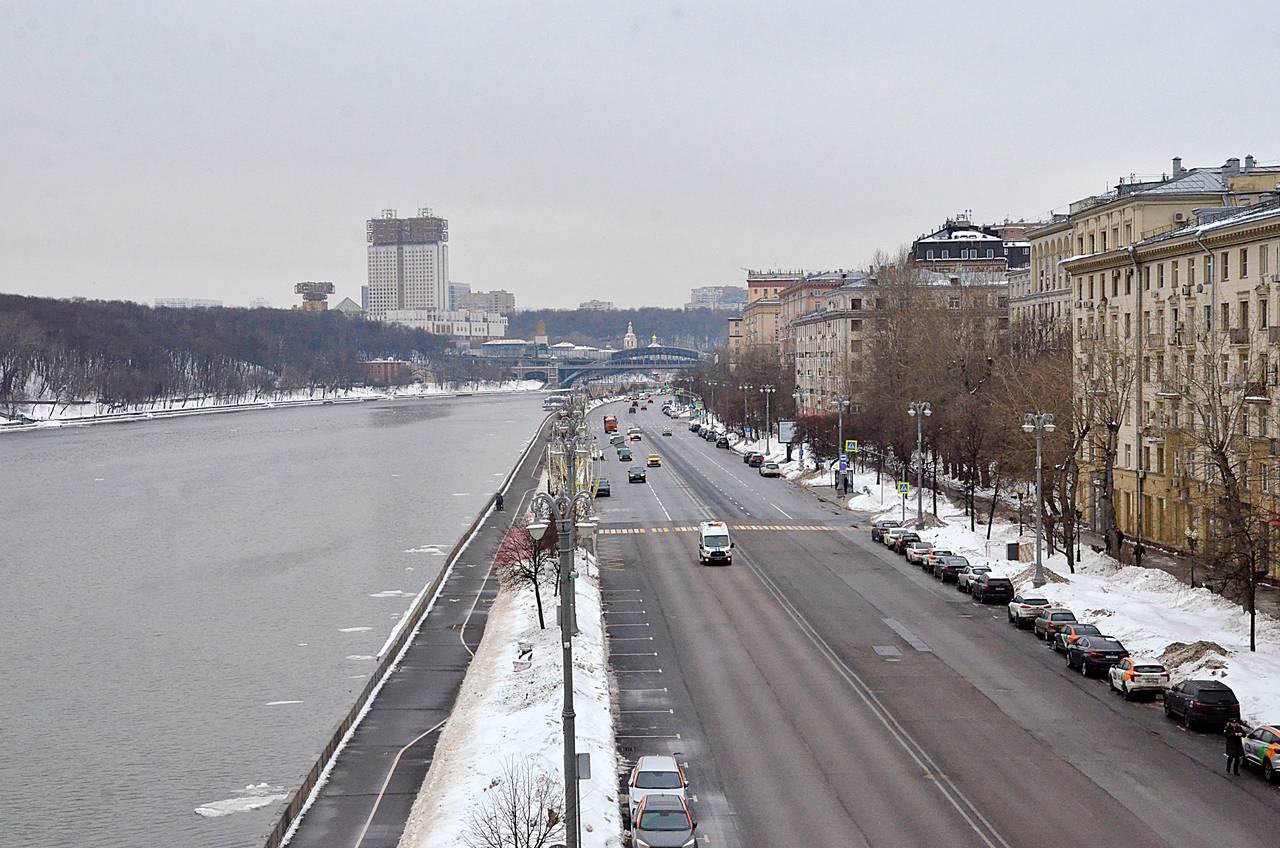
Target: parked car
x: 889, y: 536
x: 948, y: 568
x: 904, y: 539
x: 602, y: 488
x: 1094, y: 653
x: 1131, y: 677
x: 1069, y: 633
x: 695, y: 427
x: 990, y: 589
x: 756, y: 461
x: 636, y: 474
x: 916, y: 552
x: 933, y: 556
x: 1262, y: 749
x: 662, y: 821
x: 1201, y: 702
x: 1049, y: 619
x: 1024, y: 608
x: 770, y: 469
x: 968, y: 575
x: 654, y: 775
x: 746, y: 457
x: 710, y: 435
x: 880, y: 525
x: 722, y: 442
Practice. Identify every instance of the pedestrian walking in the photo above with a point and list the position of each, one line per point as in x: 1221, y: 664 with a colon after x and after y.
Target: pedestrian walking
x: 1138, y: 551
x: 846, y: 483
x: 1234, y: 731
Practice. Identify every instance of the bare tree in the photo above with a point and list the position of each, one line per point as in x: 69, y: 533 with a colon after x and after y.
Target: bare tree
x: 522, y: 559
x: 521, y: 808
x: 1107, y: 370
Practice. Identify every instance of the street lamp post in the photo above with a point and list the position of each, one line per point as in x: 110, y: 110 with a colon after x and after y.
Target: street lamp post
x: 841, y: 404
x: 768, y: 429
x: 1038, y: 423
x: 1191, y: 548
x: 745, y: 388
x: 563, y: 510
x: 919, y: 410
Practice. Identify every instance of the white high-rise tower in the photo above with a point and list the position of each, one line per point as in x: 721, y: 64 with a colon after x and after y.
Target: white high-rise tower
x: 408, y: 263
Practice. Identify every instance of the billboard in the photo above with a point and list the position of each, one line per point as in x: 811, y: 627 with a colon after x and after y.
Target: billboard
x: 786, y: 432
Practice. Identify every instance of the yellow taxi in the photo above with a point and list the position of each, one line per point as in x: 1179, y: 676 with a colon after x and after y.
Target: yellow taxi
x: 655, y: 461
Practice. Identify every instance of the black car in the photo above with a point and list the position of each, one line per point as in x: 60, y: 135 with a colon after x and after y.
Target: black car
x: 947, y: 568
x: 756, y: 460
x: 722, y: 442
x: 1094, y: 653
x: 1201, y: 702
x: 878, y: 528
x: 636, y: 474
x: 695, y: 427
x: 602, y: 488
x: 631, y: 411
x: 993, y: 590
x: 901, y: 547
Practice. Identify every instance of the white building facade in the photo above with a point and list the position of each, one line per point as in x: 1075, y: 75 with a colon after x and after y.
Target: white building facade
x: 457, y: 324
x: 408, y: 263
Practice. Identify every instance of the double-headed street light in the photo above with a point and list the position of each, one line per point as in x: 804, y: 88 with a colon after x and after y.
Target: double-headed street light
x: 1038, y: 423
x: 744, y: 388
x: 841, y: 404
x: 768, y: 430
x: 570, y: 514
x: 919, y: 410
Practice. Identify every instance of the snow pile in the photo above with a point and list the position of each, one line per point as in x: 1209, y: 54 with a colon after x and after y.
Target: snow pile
x: 1194, y: 632
x: 503, y: 714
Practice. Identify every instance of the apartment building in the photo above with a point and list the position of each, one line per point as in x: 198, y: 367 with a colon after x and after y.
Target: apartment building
x: 717, y: 297
x: 1040, y: 303
x: 408, y: 263
x: 1200, y: 302
x: 760, y: 326
x: 735, y: 342
x: 802, y: 298
x: 962, y: 246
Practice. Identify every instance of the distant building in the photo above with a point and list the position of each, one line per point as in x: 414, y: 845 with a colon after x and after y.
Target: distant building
x: 963, y: 246
x: 457, y: 295
x: 629, y: 341
x: 600, y: 305
x: 408, y: 263
x: 507, y: 347
x: 259, y: 303
x: 502, y: 302
x: 384, y: 371
x: 735, y: 341
x: 461, y: 325
x: 347, y: 306
x: 718, y: 297
x: 186, y: 303
x: 769, y: 284
x: 315, y: 296
x: 364, y: 298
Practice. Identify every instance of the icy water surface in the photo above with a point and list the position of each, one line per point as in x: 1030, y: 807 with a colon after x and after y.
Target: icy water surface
x: 187, y: 606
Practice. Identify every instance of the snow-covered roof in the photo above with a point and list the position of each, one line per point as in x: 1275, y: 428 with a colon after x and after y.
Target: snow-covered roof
x: 562, y: 346
x: 1242, y: 215
x: 960, y: 235
x: 497, y: 342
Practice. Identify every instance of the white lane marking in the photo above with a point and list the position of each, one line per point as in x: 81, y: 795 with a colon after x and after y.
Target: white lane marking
x: 383, y: 791
x: 638, y: 671
x: 640, y: 654
x: 667, y: 711
x: 958, y: 800
x: 779, y: 509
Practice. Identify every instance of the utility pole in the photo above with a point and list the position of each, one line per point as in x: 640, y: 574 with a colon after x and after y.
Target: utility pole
x: 1038, y: 423
x: 920, y: 410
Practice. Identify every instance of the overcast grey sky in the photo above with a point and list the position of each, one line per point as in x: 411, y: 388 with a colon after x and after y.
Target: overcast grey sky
x: 627, y: 151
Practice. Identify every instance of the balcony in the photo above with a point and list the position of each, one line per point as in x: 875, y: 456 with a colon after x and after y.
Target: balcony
x: 1239, y: 335
x: 1171, y: 391
x: 1155, y: 339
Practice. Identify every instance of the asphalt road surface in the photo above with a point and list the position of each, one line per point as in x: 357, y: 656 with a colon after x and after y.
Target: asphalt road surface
x: 822, y: 691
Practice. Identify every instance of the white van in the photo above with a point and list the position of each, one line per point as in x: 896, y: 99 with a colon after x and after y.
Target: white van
x: 714, y: 544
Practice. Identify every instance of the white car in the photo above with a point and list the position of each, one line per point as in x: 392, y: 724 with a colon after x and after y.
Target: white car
x: 1024, y: 608
x: 917, y: 551
x: 654, y: 775
x: 968, y: 575
x: 890, y: 536
x: 1131, y: 676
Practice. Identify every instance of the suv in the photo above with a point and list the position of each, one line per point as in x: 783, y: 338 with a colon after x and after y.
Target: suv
x: 904, y: 539
x: 624, y: 454
x: 1089, y: 653
x: 722, y: 442
x: 1201, y: 701
x: 654, y: 775
x: 602, y: 488
x: 989, y: 589
x: 969, y: 575
x: 756, y: 461
x: 889, y: 535
x: 1024, y: 608
x: 662, y: 821
x: 1130, y: 676
x: 880, y: 525
x: 1262, y: 749
x: 1049, y: 619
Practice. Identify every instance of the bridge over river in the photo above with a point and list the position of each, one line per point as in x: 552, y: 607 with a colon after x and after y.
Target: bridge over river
x: 564, y: 372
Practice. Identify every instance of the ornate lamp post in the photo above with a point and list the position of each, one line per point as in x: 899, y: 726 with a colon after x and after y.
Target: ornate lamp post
x: 1191, y: 549
x: 920, y: 410
x: 768, y: 430
x: 746, y: 387
x: 1038, y: 423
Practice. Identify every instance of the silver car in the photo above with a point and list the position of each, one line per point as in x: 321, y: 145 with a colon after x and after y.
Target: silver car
x: 1024, y: 608
x: 663, y: 821
x: 968, y: 575
x: 654, y: 775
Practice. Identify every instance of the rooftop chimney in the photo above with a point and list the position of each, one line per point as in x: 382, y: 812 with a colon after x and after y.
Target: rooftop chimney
x: 1178, y: 170
x: 1249, y: 162
x: 1232, y: 166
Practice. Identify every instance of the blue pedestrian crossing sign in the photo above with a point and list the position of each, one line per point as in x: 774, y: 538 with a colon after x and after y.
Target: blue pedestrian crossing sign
x: 850, y: 445
x: 904, y: 488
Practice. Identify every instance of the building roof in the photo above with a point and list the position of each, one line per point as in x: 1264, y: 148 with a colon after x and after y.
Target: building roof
x: 348, y: 306
x: 1209, y: 220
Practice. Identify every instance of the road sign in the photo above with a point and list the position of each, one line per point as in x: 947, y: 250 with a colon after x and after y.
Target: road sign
x: 904, y: 488
x: 584, y: 767
x: 844, y: 465
x: 786, y: 432
x: 851, y: 445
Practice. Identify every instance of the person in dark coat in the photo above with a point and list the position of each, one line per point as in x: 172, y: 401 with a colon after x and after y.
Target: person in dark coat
x: 1234, y: 731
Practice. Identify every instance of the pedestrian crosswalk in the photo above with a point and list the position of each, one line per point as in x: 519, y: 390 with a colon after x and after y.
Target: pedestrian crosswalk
x: 772, y: 528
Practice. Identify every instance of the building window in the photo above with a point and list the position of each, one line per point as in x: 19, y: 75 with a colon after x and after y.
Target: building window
x: 1226, y: 267
x: 1244, y: 262
x: 946, y: 254
x: 928, y: 254
x: 1173, y: 270
x: 856, y: 303
x: 1104, y: 241
x: 953, y: 302
x: 1160, y: 276
x: 1128, y: 233
x: 989, y: 253
x: 1264, y: 258
x: 1146, y: 278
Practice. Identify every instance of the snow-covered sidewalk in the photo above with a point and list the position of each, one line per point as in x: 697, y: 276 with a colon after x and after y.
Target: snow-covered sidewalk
x: 1194, y: 632
x: 506, y: 715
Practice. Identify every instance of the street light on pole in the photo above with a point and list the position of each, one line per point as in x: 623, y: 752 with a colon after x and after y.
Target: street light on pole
x: 564, y: 510
x: 841, y: 404
x: 1038, y: 423
x: 768, y: 430
x: 746, y: 387
x: 920, y: 410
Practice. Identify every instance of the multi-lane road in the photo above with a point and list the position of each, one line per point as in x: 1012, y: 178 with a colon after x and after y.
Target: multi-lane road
x: 824, y: 692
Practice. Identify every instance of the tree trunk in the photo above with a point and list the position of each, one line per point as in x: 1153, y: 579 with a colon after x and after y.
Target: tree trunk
x: 537, y: 594
x: 991, y: 514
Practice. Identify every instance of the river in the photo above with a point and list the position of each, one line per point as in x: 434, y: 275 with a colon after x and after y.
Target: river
x: 187, y: 606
